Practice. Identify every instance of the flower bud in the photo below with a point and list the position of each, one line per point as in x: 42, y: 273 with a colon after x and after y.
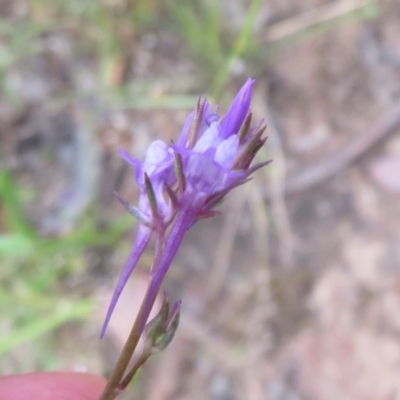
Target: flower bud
x: 160, y: 331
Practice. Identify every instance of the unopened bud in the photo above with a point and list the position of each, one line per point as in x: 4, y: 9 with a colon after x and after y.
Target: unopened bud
x: 160, y: 331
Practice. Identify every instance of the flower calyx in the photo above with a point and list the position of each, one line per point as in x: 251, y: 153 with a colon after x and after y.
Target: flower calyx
x: 159, y: 332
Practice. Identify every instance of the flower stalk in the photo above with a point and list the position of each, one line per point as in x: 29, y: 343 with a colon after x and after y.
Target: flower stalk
x: 179, y: 185
x: 116, y: 382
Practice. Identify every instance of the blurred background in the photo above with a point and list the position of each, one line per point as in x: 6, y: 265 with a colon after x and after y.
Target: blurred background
x: 294, y: 292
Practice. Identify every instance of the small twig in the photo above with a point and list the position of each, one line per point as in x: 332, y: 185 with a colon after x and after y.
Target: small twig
x: 319, y: 15
x: 224, y: 248
x: 331, y: 165
x: 277, y: 178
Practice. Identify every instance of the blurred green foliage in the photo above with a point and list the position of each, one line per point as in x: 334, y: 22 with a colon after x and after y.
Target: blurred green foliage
x: 108, y: 29
x: 33, y: 302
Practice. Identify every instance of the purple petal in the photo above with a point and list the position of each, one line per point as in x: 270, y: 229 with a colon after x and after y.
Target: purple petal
x: 210, y: 138
x: 157, y: 159
x: 176, y: 308
x: 204, y: 175
x: 185, y: 130
x: 189, y: 210
x: 238, y: 110
x: 132, y: 161
x: 206, y: 119
x: 212, y: 118
x: 142, y: 239
x: 227, y: 151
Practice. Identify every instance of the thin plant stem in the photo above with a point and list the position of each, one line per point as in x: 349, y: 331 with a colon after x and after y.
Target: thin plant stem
x: 162, y: 260
x: 112, y: 389
x: 131, y: 374
x: 116, y: 382
x: 158, y: 250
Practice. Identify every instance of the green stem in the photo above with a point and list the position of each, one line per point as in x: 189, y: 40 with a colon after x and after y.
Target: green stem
x: 112, y: 389
x: 131, y: 374
x: 117, y: 382
x: 160, y: 267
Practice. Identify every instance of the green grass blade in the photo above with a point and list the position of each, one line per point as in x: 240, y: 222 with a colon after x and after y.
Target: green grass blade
x: 9, y: 198
x: 41, y: 326
x: 240, y: 46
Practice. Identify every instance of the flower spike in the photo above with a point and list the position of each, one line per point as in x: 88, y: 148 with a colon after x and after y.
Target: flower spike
x: 183, y: 183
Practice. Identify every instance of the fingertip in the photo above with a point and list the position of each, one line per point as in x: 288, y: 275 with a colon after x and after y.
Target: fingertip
x: 52, y: 386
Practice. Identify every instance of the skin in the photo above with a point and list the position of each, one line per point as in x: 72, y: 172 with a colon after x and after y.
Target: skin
x: 51, y: 386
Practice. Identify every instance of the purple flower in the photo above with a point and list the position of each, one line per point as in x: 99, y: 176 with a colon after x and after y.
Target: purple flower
x: 183, y: 182
x: 212, y: 157
x: 158, y: 168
